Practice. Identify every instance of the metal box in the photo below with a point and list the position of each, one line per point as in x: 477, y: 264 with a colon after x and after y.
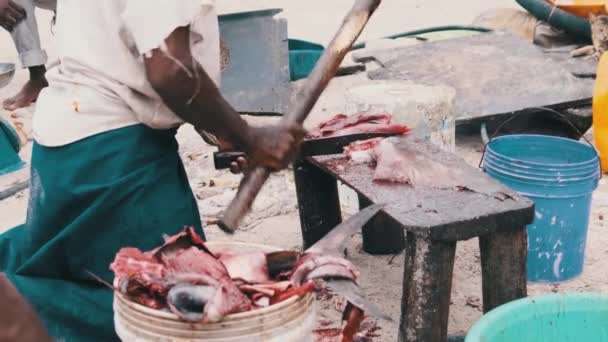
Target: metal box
x: 256, y: 79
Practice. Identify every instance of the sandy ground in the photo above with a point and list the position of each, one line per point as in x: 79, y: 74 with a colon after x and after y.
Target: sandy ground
x: 275, y: 220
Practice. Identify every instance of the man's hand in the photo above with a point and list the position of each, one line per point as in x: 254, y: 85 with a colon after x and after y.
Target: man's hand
x: 11, y: 14
x: 188, y: 90
x: 273, y: 147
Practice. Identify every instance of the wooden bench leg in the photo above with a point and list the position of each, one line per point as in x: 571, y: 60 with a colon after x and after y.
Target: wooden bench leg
x: 318, y: 201
x: 427, y: 285
x: 381, y: 235
x: 503, y: 263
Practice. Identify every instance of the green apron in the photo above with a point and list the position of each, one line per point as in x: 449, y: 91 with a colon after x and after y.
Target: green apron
x: 88, y: 199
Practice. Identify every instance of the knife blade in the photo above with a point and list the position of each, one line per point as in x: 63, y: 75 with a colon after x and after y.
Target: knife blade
x: 354, y: 294
x: 333, y: 242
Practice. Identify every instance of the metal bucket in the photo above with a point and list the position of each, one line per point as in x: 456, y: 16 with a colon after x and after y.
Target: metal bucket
x: 291, y: 320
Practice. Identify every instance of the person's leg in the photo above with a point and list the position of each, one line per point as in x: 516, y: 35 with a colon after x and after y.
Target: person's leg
x: 88, y: 199
x: 31, y: 55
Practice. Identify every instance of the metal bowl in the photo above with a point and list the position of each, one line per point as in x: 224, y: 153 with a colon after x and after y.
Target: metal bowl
x: 7, y: 71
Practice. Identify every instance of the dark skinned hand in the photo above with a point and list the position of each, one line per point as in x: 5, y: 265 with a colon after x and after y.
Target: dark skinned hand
x: 238, y: 166
x: 11, y: 14
x: 274, y: 147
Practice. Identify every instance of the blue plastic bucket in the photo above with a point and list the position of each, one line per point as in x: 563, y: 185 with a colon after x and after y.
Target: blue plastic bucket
x: 534, y: 171
x: 543, y: 152
x: 543, y: 177
x: 561, y: 185
x: 571, y: 317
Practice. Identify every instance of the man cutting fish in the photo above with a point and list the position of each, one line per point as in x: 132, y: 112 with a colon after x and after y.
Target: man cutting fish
x: 105, y: 166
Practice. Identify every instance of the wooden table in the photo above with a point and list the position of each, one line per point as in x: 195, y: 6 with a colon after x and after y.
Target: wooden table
x: 433, y: 220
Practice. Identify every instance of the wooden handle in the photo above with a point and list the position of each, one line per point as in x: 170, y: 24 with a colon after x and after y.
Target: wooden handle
x: 317, y: 81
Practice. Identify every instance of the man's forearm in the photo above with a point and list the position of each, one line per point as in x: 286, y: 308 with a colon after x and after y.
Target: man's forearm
x: 188, y: 90
x: 196, y: 99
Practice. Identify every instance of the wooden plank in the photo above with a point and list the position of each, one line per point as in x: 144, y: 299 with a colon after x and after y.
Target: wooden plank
x: 442, y: 214
x: 493, y: 73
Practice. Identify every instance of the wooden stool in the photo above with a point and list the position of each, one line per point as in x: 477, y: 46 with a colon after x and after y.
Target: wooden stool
x: 434, y: 221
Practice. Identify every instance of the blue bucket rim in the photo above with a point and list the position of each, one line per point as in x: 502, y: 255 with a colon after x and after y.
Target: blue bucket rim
x: 534, y: 180
x: 551, y: 167
x: 549, y: 178
x: 500, y: 313
x: 541, y: 172
x: 548, y: 137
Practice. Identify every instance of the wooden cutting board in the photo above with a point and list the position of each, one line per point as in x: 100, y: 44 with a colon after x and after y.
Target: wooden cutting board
x: 493, y: 74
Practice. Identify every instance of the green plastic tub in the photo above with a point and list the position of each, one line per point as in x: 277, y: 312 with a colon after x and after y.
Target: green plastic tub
x: 574, y: 317
x: 9, y: 147
x: 303, y: 56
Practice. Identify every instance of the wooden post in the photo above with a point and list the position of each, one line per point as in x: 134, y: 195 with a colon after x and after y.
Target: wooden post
x: 427, y: 285
x: 503, y: 265
x: 381, y: 235
x: 318, y: 201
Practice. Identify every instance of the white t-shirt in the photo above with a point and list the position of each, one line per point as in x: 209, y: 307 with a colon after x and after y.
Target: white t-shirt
x: 101, y: 84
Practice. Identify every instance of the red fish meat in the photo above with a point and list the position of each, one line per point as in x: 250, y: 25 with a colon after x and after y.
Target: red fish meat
x: 342, y: 124
x: 399, y: 162
x: 362, y: 151
x: 200, y: 285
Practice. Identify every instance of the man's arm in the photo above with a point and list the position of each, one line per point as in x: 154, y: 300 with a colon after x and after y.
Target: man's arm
x: 11, y: 14
x: 189, y: 91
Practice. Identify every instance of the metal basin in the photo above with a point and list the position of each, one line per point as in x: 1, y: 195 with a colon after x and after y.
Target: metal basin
x: 7, y: 71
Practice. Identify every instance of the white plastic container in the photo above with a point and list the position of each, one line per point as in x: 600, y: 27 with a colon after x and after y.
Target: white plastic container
x: 427, y: 110
x: 290, y: 321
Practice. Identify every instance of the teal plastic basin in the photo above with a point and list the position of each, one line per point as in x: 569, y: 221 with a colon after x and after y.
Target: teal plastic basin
x: 303, y: 56
x: 570, y: 317
x: 9, y: 147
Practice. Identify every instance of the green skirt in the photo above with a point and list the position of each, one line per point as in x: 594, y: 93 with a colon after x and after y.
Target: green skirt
x: 88, y: 199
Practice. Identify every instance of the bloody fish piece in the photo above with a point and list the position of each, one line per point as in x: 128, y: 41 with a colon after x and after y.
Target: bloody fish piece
x: 138, y: 276
x: 362, y: 151
x: 353, y: 316
x: 184, y: 265
x: 399, y: 162
x: 296, y: 291
x: 342, y: 124
x: 313, y: 266
x: 250, y: 267
x: 269, y: 289
x: 189, y: 301
x: 204, y: 269
x: 281, y: 262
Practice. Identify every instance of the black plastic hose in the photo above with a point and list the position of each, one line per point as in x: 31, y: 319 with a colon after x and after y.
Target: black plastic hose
x: 570, y: 23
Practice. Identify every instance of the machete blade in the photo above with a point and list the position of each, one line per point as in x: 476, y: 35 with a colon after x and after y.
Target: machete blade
x: 334, y: 241
x: 354, y: 294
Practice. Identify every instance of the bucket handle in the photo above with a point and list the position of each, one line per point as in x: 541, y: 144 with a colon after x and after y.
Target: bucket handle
x: 553, y: 111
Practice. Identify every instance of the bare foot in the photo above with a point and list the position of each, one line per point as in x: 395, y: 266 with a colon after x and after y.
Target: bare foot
x: 584, y: 51
x: 30, y: 91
